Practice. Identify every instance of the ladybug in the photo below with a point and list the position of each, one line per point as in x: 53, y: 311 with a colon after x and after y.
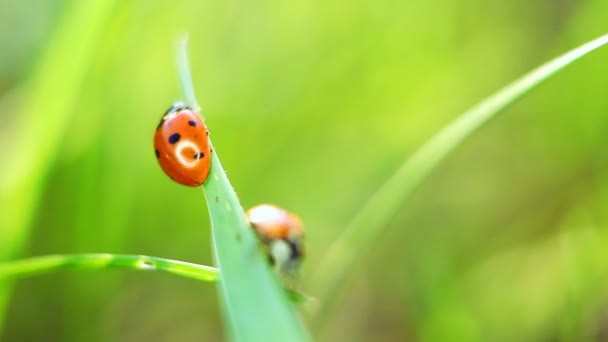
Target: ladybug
x: 281, y: 234
x: 182, y: 147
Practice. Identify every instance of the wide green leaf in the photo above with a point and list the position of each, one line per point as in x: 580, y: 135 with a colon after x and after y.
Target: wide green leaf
x: 256, y: 307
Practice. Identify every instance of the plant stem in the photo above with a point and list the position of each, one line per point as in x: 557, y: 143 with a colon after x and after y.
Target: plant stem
x: 50, y: 263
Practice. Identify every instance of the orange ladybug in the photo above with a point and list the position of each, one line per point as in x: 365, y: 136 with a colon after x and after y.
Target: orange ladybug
x: 182, y: 147
x: 281, y: 233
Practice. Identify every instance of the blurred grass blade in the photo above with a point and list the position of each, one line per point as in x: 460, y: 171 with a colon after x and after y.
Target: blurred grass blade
x: 52, y: 263
x: 46, y: 108
x: 256, y: 306
x: 370, y: 221
x: 183, y: 67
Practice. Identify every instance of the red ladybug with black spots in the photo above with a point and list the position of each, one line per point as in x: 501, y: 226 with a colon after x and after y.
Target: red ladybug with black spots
x: 182, y: 147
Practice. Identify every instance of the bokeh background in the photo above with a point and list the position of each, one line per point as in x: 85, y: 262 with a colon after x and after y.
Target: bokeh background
x: 312, y: 105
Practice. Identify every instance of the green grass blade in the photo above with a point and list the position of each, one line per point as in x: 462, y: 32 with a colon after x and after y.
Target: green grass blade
x: 183, y: 68
x: 255, y: 304
x: 256, y: 307
x: 374, y: 216
x: 51, y: 263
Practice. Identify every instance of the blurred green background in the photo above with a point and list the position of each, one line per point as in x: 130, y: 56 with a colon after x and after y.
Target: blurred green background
x: 312, y: 105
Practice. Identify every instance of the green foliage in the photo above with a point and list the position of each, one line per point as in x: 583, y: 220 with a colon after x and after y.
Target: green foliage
x: 313, y: 105
x: 51, y: 91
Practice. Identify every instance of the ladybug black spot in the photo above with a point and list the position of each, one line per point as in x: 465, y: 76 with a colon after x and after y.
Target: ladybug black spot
x: 192, y: 123
x: 199, y: 155
x: 157, y: 153
x: 294, y: 249
x: 173, y: 138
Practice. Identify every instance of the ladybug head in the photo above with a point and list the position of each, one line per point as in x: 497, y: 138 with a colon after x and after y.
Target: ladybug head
x: 176, y: 107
